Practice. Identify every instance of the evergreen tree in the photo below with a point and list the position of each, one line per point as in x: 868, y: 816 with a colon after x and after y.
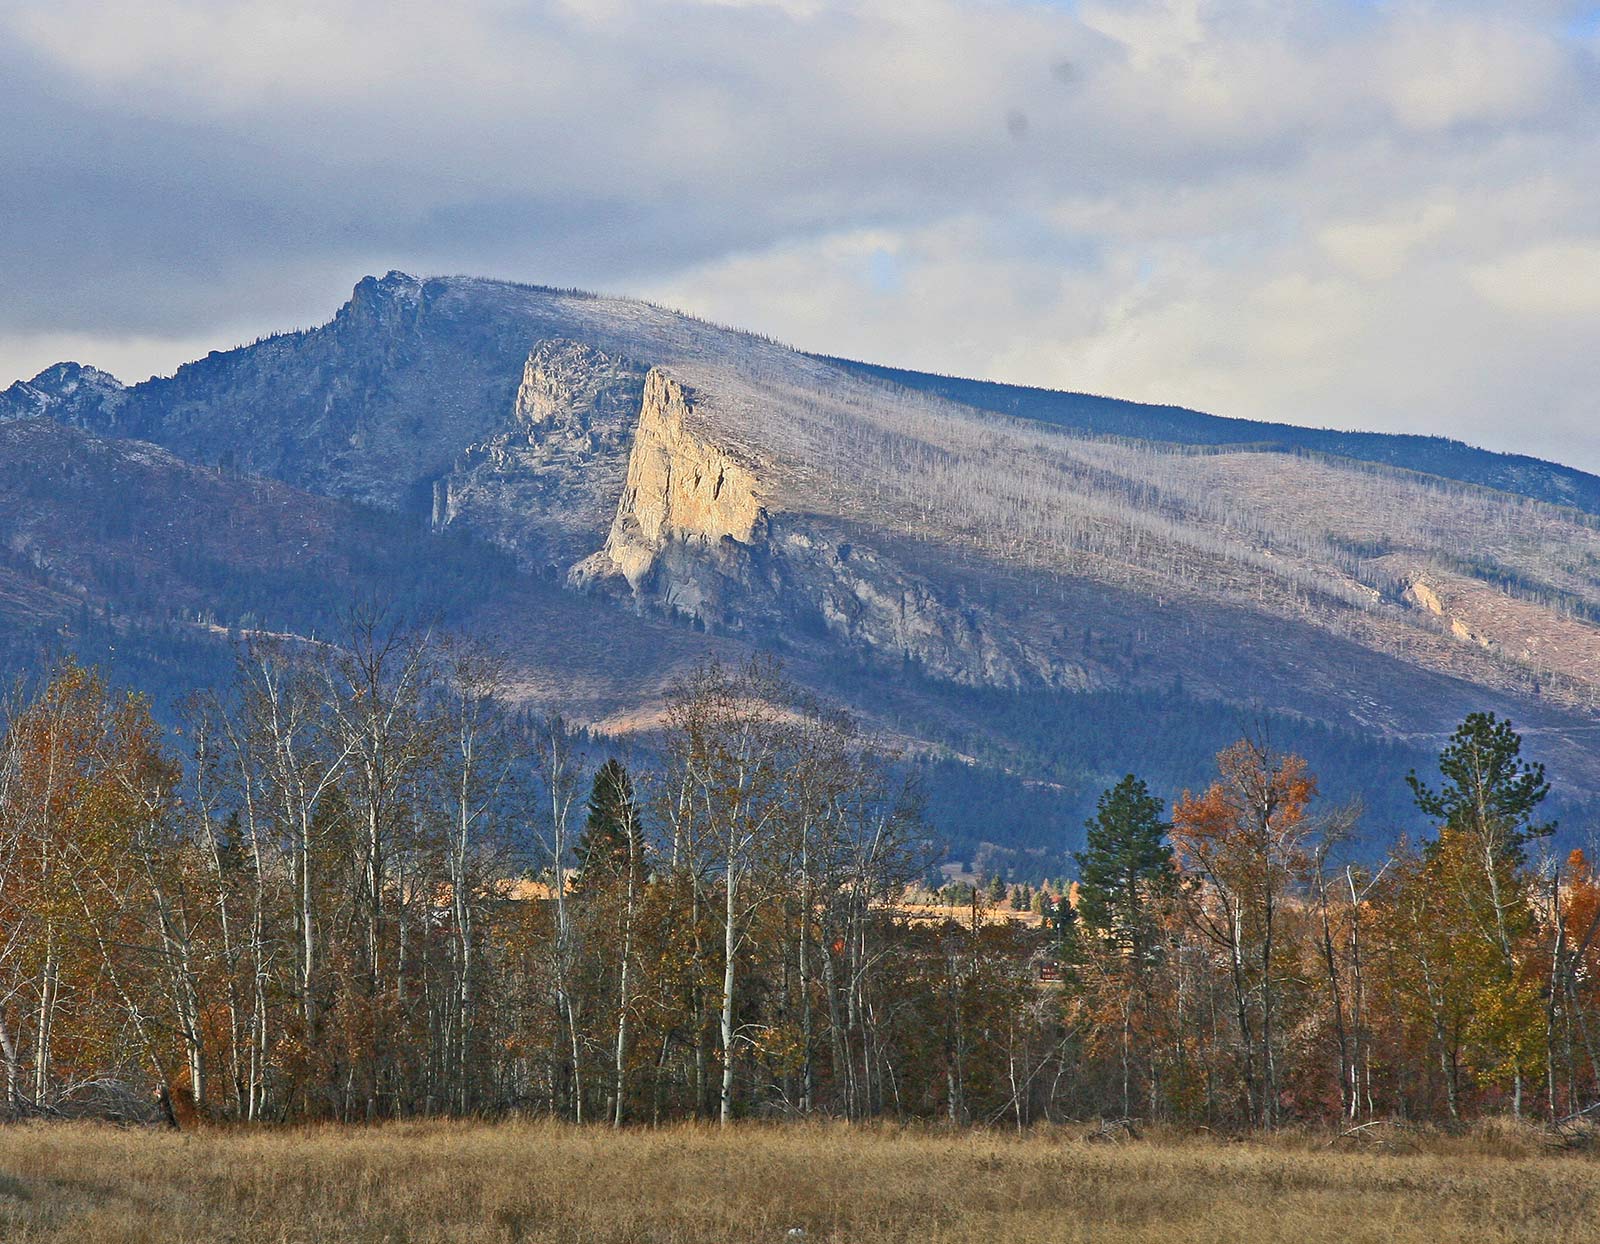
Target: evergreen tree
x: 1125, y: 863
x: 1489, y: 791
x: 610, y: 835
x: 1487, y: 804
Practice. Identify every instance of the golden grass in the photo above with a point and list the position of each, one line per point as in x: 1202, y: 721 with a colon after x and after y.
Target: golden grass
x: 426, y: 1183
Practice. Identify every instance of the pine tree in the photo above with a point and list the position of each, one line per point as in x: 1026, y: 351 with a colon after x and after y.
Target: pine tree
x: 1489, y: 791
x: 610, y: 835
x: 1126, y: 862
x: 1487, y: 803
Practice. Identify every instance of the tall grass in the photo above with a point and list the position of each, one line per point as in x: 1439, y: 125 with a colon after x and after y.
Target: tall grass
x: 427, y: 1183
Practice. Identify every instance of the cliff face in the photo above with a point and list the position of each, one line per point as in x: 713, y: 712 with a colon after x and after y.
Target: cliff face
x: 544, y: 485
x: 690, y: 529
x: 694, y: 534
x: 975, y: 633
x: 680, y: 486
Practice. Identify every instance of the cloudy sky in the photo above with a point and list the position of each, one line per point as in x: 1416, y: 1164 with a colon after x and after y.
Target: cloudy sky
x: 1363, y: 213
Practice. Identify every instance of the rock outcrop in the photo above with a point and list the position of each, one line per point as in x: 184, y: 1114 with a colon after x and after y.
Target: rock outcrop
x: 1422, y: 594
x: 695, y: 534
x: 689, y: 532
x: 544, y: 486
x: 680, y: 486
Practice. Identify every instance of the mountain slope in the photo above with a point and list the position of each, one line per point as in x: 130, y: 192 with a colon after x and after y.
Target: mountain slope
x: 1109, y: 416
x: 125, y: 555
x: 145, y: 554
x: 636, y: 468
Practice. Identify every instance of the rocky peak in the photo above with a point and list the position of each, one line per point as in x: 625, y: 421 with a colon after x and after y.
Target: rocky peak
x: 379, y: 302
x: 70, y: 393
x: 681, y: 484
x: 544, y: 485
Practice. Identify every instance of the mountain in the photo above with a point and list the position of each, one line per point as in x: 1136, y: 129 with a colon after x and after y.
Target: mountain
x: 1031, y: 592
x: 68, y: 392
x: 1110, y: 416
x: 159, y: 563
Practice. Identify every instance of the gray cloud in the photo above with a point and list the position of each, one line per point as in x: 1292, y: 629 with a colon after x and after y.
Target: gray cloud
x: 1357, y: 215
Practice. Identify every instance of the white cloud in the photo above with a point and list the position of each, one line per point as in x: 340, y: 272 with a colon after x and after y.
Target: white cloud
x: 1377, y: 248
x: 1355, y: 214
x: 1439, y: 71
x: 1559, y: 280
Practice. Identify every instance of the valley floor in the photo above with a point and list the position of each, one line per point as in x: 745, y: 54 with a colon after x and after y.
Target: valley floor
x: 427, y: 1183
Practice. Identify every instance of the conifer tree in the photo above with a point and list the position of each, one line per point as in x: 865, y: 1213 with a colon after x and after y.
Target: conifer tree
x: 1126, y: 863
x: 1489, y: 791
x: 611, y: 832
x: 1062, y: 917
x: 1487, y: 802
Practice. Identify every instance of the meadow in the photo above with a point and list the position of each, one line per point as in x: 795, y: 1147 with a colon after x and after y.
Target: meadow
x: 427, y: 1183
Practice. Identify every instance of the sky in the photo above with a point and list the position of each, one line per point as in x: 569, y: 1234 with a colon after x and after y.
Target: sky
x: 1356, y: 213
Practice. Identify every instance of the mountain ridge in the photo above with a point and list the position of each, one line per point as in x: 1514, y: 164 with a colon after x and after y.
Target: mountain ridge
x: 910, y: 554
x: 1542, y: 479
x: 85, y: 395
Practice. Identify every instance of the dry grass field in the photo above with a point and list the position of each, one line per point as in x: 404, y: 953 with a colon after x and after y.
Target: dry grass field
x: 423, y: 1183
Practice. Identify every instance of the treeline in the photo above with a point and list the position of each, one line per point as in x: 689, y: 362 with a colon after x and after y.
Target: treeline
x: 352, y: 886
x: 1230, y: 965
x: 364, y: 890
